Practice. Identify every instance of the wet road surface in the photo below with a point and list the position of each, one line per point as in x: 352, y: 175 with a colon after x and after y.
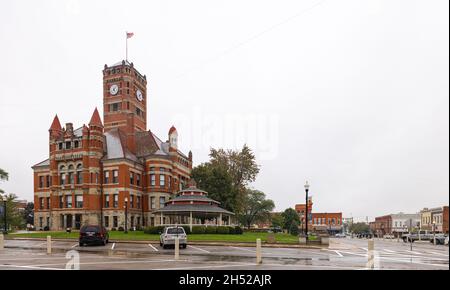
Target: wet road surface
x: 342, y: 254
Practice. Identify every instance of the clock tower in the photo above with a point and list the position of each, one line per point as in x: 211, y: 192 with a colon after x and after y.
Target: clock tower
x: 124, y: 100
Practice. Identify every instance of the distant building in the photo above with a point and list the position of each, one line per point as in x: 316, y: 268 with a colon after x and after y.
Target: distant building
x: 435, y: 219
x: 395, y: 224
x: 330, y: 222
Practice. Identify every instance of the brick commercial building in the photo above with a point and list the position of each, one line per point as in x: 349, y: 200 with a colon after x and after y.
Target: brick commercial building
x: 382, y: 225
x: 434, y: 219
x: 98, y: 171
x: 395, y: 224
x: 329, y: 222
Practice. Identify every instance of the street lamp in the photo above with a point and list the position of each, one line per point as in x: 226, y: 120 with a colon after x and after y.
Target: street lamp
x: 434, y: 233
x: 5, y: 230
x: 126, y: 215
x: 306, y: 210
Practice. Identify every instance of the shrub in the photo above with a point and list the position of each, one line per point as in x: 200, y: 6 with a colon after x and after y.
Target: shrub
x: 294, y: 229
x: 238, y: 230
x: 198, y: 230
x: 113, y: 229
x: 153, y: 230
x: 223, y: 230
x: 187, y: 230
x: 121, y: 229
x: 211, y: 230
x: 231, y: 230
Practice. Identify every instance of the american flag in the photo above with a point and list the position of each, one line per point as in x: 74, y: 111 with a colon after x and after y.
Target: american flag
x: 130, y: 34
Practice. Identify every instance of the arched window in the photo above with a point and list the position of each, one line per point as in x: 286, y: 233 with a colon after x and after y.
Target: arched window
x: 71, y: 174
x: 62, y: 175
x: 79, y: 174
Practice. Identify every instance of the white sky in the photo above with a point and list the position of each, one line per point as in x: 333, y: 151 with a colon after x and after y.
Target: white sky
x: 351, y: 95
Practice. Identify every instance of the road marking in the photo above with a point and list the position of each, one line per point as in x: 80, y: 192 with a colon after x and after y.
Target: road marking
x: 74, y: 246
x: 252, y: 251
x: 439, y: 254
x: 41, y: 244
x: 335, y: 251
x: 151, y: 246
x: 113, y: 245
x: 339, y: 254
x: 415, y: 253
x: 203, y: 250
x: 389, y: 251
x: 365, y: 249
x: 111, y: 262
x: 30, y: 267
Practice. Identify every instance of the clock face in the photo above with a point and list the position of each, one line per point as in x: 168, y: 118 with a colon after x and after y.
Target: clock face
x: 114, y: 89
x: 139, y: 95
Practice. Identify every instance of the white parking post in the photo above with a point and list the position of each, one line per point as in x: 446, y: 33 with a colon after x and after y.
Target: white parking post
x: 177, y: 248
x: 49, y: 244
x: 2, y: 242
x: 370, y: 255
x: 258, y: 251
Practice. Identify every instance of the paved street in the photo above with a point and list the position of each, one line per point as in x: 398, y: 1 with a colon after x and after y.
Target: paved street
x: 342, y: 254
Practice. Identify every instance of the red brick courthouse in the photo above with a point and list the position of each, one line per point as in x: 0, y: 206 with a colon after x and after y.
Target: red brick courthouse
x: 95, y: 171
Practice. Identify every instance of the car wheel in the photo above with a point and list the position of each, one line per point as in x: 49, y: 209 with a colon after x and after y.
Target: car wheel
x: 183, y: 246
x: 164, y: 246
x: 80, y: 244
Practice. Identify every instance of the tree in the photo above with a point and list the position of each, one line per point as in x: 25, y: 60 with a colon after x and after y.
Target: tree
x: 14, y: 218
x: 256, y: 208
x: 291, y: 220
x: 359, y: 228
x: 277, y: 220
x: 3, y: 176
x: 216, y: 180
x: 242, y: 168
x: 28, y: 214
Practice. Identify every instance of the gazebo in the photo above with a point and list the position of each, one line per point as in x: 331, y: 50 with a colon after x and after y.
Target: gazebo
x: 192, y: 206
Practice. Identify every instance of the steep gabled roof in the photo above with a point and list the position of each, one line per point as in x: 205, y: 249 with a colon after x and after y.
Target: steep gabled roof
x: 56, y: 125
x: 95, y: 119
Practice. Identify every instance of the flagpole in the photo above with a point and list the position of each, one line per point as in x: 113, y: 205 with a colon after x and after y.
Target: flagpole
x: 126, y: 45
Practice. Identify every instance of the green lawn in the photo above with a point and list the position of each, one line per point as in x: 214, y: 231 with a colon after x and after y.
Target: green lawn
x: 140, y: 236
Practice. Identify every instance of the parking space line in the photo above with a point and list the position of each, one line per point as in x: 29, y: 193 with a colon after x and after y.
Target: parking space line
x: 389, y: 251
x: 73, y: 246
x: 415, y: 253
x: 200, y: 249
x: 30, y: 267
x: 113, y: 245
x: 365, y: 249
x: 153, y: 247
x: 243, y: 249
x: 338, y: 253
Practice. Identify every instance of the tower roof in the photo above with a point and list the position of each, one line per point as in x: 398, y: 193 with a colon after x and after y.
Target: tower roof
x: 56, y: 125
x: 172, y: 129
x: 95, y: 119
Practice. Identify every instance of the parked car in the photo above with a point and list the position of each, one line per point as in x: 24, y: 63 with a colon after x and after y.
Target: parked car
x: 167, y: 237
x: 415, y: 237
x: 440, y: 239
x: 339, y: 235
x: 364, y: 235
x: 388, y: 236
x: 93, y: 234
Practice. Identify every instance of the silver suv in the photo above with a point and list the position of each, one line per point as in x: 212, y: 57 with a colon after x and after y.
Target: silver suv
x: 169, y: 234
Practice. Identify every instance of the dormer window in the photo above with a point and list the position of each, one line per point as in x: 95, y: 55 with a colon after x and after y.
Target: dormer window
x: 68, y: 144
x: 60, y: 145
x: 76, y: 144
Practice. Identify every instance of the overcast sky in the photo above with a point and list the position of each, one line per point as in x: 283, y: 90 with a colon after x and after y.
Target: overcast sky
x: 350, y: 95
